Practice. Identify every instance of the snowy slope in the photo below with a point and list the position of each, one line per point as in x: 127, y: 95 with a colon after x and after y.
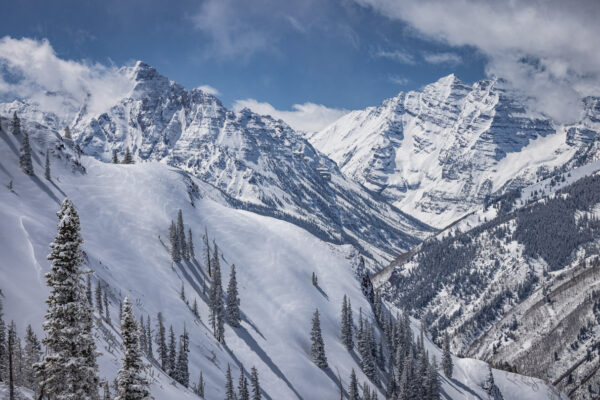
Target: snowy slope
x: 260, y: 162
x: 438, y: 153
x: 124, y: 209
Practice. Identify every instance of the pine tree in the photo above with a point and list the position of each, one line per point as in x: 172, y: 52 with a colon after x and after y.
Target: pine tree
x: 175, y: 250
x: 315, y: 281
x: 182, y: 292
x: 255, y: 384
x: 233, y: 301
x: 346, y: 328
x: 127, y: 159
x: 199, y: 388
x: 217, y: 309
x: 190, y: 245
x: 433, y: 381
x: 181, y: 235
x: 447, y: 365
x: 353, y: 388
x: 69, y: 367
x: 11, y: 350
x: 229, y: 391
x: 131, y: 383
x: 47, y: 167
x: 106, y: 309
x: 88, y: 290
x: 243, y: 386
x: 107, y: 395
x: 142, y: 335
x: 68, y: 133
x: 172, y: 361
x: 207, y: 258
x: 25, y: 156
x: 183, y: 374
x: 317, y: 350
x: 15, y: 125
x: 32, y: 355
x: 195, y: 309
x: 3, y: 350
x: 99, y: 298
x: 161, y: 342
x: 366, y: 391
x: 115, y: 158
x: 149, y: 350
x: 490, y: 387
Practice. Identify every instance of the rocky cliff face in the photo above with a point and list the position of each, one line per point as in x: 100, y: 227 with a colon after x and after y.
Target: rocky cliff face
x: 437, y: 153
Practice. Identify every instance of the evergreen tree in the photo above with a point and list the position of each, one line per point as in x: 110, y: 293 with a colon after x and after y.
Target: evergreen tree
x: 161, y: 342
x: 317, y: 350
x: 131, y: 383
x: 175, y: 250
x: 207, y: 258
x: 142, y: 335
x: 32, y: 355
x: 11, y: 350
x: 199, y: 388
x: 183, y: 374
x: 149, y: 350
x: 433, y: 381
x: 47, y: 167
x: 115, y: 158
x: 15, y: 125
x: 315, y: 281
x: 353, y: 388
x: 368, y: 361
x: 195, y: 309
x: 190, y: 245
x: 233, y: 301
x: 107, y: 395
x: 366, y: 391
x: 172, y: 362
x: 489, y: 385
x: 99, y: 298
x: 182, y: 292
x: 127, y: 159
x: 25, y: 156
x: 69, y: 367
x: 3, y: 350
x: 88, y: 290
x: 243, y: 386
x: 229, y: 391
x: 106, y: 309
x: 68, y: 133
x: 181, y: 235
x: 217, y: 309
x: 346, y: 327
x: 255, y: 384
x: 447, y: 357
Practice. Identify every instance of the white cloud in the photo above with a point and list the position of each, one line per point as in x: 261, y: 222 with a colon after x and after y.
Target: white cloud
x: 442, y: 58
x: 399, y: 80
x: 549, y: 49
x: 32, y: 71
x: 307, y: 117
x: 400, y: 56
x: 209, y: 89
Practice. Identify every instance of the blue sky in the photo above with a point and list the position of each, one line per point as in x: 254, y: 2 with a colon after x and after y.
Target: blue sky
x: 337, y: 53
x: 308, y: 61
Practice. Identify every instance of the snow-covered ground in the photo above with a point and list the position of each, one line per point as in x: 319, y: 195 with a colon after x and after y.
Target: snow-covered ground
x: 125, y: 212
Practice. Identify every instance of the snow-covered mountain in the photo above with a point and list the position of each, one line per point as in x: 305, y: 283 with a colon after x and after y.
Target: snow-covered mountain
x: 439, y: 152
x: 516, y: 283
x: 125, y: 212
x: 259, y: 162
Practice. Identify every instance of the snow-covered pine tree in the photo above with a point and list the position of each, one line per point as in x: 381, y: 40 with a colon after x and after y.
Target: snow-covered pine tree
x: 255, y: 384
x: 217, y: 309
x: 190, y: 245
x: 120, y: 311
x: 182, y: 292
x: 229, y: 391
x: 447, y: 365
x: 15, y: 124
x: 131, y: 382
x: 367, y: 363
x: 107, y: 395
x: 115, y: 158
x: 344, y: 331
x: 25, y: 155
x: 172, y: 360
x: 195, y: 309
x: 353, y: 387
x: 3, y: 354
x: 149, y: 350
x: 206, y: 255
x: 489, y: 385
x: 366, y: 391
x: 142, y: 335
x: 181, y: 235
x: 243, y: 393
x: 69, y: 367
x: 315, y: 281
x: 47, y: 167
x: 99, y: 298
x: 174, y: 241
x: 32, y: 353
x: 233, y: 302
x: 161, y: 342
x: 183, y: 373
x: 127, y: 158
x: 317, y: 350
x: 106, y: 309
x: 68, y: 133
x: 199, y: 387
x: 433, y: 381
x: 88, y: 290
x: 11, y: 355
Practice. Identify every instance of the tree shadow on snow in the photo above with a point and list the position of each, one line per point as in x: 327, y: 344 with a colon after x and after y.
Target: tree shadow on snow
x: 45, y: 188
x: 239, y: 364
x: 458, y: 386
x: 322, y: 292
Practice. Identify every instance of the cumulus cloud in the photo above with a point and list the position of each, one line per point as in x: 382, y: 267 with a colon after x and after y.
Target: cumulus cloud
x: 549, y: 49
x: 442, y: 58
x: 307, y: 117
x: 400, y: 56
x: 209, y: 89
x: 30, y: 70
x: 399, y: 80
